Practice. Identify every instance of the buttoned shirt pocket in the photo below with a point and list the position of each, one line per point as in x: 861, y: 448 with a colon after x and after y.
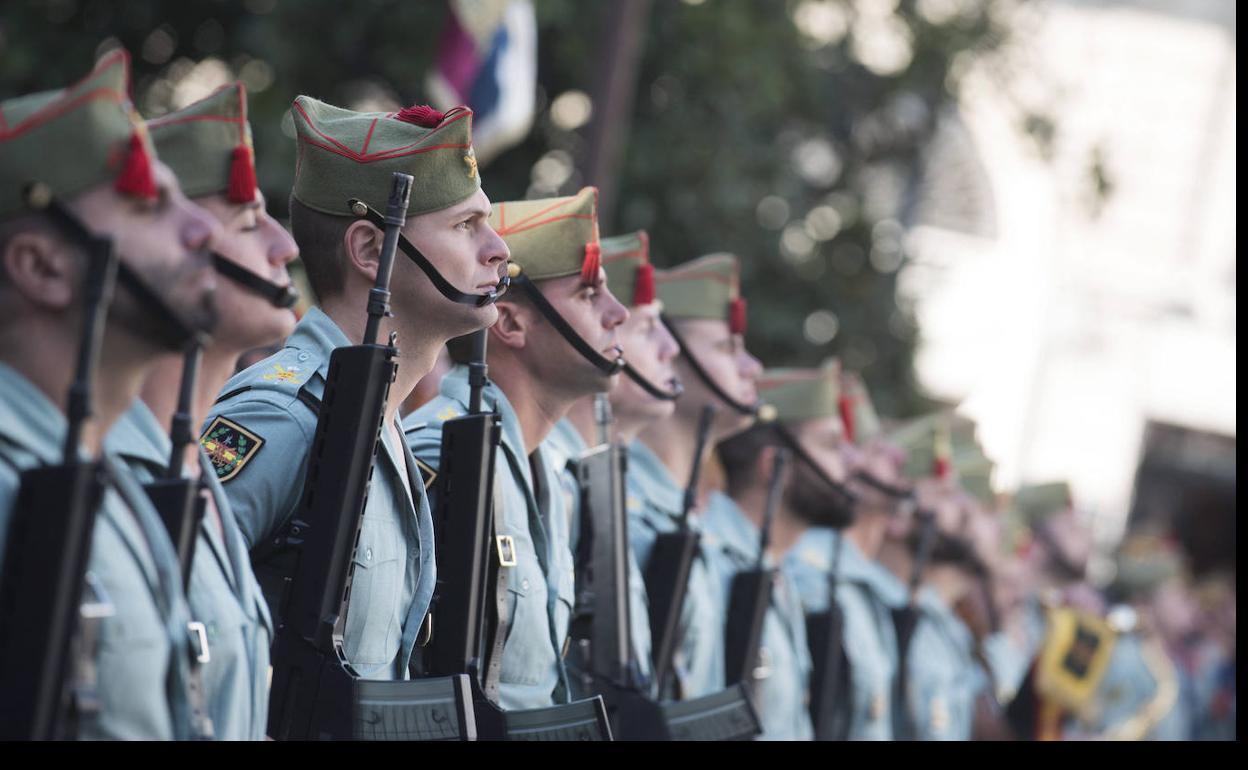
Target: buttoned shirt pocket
x: 526, y: 651
x: 373, y: 622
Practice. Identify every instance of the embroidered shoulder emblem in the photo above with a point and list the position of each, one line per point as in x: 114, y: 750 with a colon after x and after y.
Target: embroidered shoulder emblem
x: 291, y: 374
x: 448, y: 413
x: 230, y: 446
x: 427, y: 474
x: 814, y: 559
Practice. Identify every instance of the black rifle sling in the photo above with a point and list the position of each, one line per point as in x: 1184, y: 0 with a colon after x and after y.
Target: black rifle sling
x: 570, y: 335
x: 276, y: 294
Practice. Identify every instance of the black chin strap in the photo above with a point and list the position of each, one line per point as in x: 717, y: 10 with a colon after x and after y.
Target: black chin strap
x: 720, y: 393
x: 843, y: 498
x: 651, y: 388
x: 897, y: 493
x: 277, y: 295
x: 605, y: 365
x: 444, y: 286
x: 173, y: 329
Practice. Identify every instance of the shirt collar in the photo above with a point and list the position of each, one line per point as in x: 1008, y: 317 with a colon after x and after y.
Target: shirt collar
x: 28, y: 418
x: 648, y: 472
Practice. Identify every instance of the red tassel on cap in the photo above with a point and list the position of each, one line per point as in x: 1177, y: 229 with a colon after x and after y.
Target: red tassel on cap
x: 136, y: 171
x: 643, y: 291
x: 736, y: 316
x: 593, y: 261
x: 940, y: 467
x: 846, y: 405
x: 420, y: 115
x: 242, y: 188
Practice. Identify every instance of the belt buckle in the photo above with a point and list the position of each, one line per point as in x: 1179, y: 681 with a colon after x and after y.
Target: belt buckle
x: 506, y: 550
x: 199, y: 641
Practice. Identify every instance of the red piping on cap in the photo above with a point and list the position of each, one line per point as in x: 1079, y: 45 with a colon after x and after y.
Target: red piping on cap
x: 136, y: 171
x: 242, y: 187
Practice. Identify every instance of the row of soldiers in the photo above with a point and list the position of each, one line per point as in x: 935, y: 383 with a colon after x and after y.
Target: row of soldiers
x: 664, y: 538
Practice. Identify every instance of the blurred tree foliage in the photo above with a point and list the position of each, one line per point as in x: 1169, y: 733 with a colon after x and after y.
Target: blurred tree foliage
x: 789, y: 132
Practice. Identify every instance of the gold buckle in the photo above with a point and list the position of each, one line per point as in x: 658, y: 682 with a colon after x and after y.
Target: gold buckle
x: 506, y: 550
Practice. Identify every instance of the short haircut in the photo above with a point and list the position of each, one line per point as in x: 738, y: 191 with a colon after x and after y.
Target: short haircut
x: 320, y: 237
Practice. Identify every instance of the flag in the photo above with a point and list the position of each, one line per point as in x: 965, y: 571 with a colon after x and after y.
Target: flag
x: 487, y: 59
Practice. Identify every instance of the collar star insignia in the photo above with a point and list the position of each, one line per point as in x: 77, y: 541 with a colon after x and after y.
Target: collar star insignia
x: 281, y: 373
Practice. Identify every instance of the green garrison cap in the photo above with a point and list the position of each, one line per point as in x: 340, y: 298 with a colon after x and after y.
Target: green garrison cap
x: 208, y: 145
x: 1144, y: 561
x: 72, y: 139
x: 552, y: 237
x: 975, y: 474
x: 926, y: 442
x: 626, y: 258
x: 1037, y: 502
x: 802, y: 394
x: 343, y: 154
x: 862, y: 424
x: 707, y: 287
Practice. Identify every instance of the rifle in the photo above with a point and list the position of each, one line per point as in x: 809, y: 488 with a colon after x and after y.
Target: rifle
x: 49, y: 539
x: 825, y: 634
x: 468, y: 640
x: 604, y: 614
x: 176, y: 498
x: 671, y: 560
x: 906, y: 619
x: 750, y: 595
x: 316, y: 693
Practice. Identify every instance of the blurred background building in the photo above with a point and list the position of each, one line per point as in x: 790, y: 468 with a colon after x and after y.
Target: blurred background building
x: 1078, y: 300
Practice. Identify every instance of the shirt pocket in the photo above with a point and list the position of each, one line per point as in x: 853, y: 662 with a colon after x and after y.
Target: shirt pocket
x: 526, y: 649
x: 373, y: 615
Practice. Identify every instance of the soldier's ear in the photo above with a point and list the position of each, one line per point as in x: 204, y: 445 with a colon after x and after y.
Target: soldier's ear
x: 42, y: 269
x: 362, y: 246
x: 512, y: 327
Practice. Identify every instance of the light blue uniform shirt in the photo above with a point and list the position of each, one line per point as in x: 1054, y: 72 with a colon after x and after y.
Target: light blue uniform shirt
x: 781, y: 683
x: 566, y: 444
x: 394, y: 563
x: 654, y: 504
x: 866, y: 593
x: 224, y: 594
x: 541, y: 587
x: 141, y: 657
x: 944, y: 678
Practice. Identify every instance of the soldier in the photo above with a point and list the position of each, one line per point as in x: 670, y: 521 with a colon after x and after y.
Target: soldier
x: 943, y: 677
x: 807, y: 409
x: 703, y: 309
x: 112, y: 186
x: 645, y: 396
x: 208, y: 146
x: 867, y: 592
x: 258, y: 433
x: 555, y: 342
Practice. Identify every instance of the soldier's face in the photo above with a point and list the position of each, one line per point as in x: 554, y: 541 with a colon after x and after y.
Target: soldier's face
x: 466, y: 250
x: 650, y: 349
x: 882, y: 463
x: 807, y: 494
x: 726, y: 361
x: 258, y: 242
x: 595, y: 314
x: 166, y: 241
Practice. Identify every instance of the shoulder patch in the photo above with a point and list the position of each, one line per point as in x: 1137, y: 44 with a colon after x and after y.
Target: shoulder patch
x: 427, y: 474
x: 229, y: 446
